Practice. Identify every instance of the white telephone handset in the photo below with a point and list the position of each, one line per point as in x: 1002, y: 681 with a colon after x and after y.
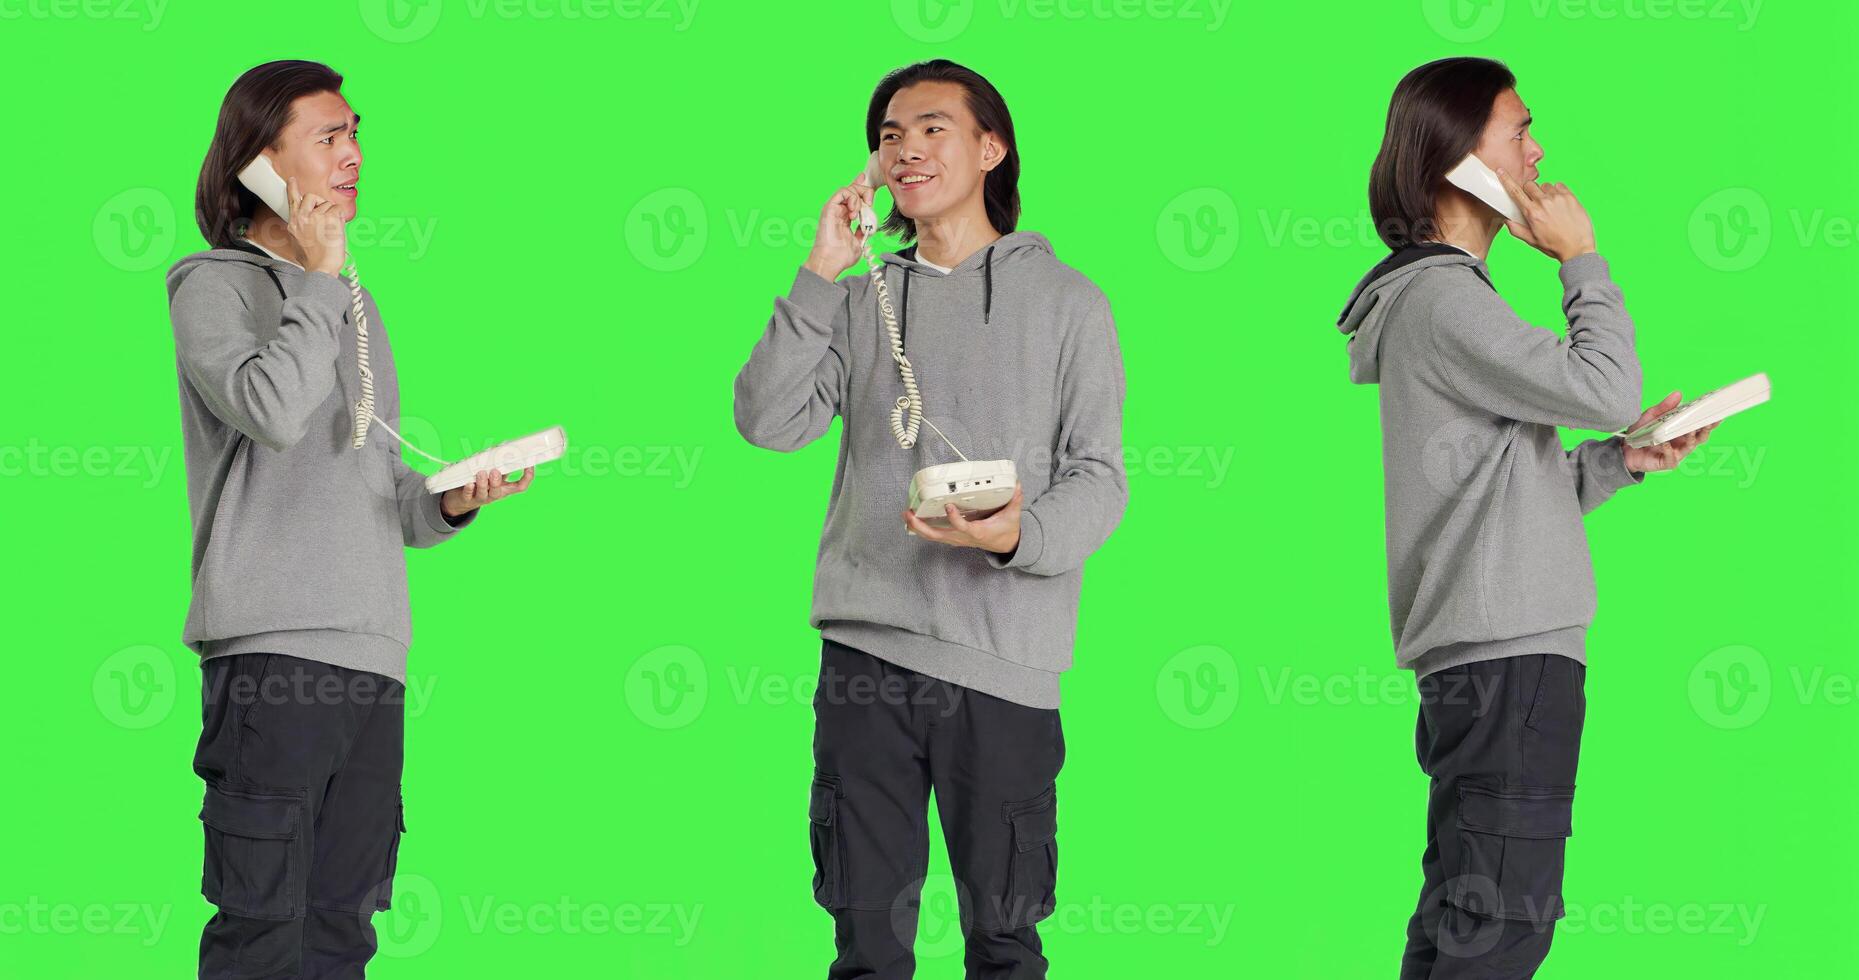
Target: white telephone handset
x: 262, y: 179
x: 977, y: 489
x: 1473, y: 177
x: 259, y: 178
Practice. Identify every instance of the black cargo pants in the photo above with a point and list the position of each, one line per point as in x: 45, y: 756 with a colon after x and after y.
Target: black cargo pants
x: 884, y: 737
x: 1500, y: 739
x: 302, y: 815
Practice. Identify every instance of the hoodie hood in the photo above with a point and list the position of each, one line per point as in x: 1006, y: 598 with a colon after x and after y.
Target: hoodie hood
x: 1371, y: 299
x: 1001, y: 254
x: 249, y: 255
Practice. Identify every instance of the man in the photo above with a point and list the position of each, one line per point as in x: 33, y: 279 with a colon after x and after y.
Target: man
x: 943, y: 650
x: 299, y: 607
x: 1491, y: 589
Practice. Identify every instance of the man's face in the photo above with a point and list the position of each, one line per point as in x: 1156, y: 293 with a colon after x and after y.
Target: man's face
x: 931, y: 152
x: 1507, y: 143
x: 320, y: 147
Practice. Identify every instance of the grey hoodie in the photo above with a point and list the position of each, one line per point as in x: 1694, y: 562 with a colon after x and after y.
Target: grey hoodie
x: 1487, y: 557
x: 1016, y: 358
x: 298, y: 537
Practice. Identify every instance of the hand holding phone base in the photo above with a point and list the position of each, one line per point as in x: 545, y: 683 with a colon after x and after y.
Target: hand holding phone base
x: 1706, y: 409
x: 510, y: 457
x: 977, y: 489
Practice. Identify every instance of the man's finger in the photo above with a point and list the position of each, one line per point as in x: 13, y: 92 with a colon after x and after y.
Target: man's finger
x: 1519, y: 192
x: 918, y: 525
x: 1666, y: 404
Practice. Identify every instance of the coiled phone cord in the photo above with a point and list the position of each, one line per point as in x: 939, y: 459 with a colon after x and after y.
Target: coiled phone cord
x: 364, y: 409
x: 907, y: 412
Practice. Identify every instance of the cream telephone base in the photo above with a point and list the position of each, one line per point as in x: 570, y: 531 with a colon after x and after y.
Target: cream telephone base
x: 977, y: 489
x: 262, y: 179
x: 510, y: 457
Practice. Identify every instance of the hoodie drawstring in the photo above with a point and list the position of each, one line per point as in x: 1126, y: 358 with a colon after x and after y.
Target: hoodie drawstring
x: 987, y: 293
x: 987, y: 284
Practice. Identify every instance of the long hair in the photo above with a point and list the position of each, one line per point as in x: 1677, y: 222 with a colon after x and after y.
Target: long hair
x: 1436, y: 117
x: 252, y: 117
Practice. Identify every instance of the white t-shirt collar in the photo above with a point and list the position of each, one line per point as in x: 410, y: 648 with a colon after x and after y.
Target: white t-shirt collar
x: 269, y: 252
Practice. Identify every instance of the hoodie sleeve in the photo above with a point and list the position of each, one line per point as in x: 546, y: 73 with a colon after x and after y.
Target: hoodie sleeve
x: 1077, y: 513
x: 795, y: 381
x: 1499, y: 363
x: 267, y: 391
x: 1600, y: 469
x: 422, y: 525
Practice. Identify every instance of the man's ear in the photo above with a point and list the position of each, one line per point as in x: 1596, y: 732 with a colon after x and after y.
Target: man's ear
x: 992, y: 152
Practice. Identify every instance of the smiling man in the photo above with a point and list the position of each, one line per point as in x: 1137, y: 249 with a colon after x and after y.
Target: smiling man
x: 943, y: 645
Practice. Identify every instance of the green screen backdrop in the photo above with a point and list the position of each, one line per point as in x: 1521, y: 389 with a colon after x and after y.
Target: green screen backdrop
x: 579, y: 212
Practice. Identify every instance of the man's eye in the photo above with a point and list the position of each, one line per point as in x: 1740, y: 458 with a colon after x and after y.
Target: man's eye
x: 935, y: 129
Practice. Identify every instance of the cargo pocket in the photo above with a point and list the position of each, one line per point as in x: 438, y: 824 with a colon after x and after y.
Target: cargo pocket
x: 1512, y: 843
x: 384, y: 894
x: 1033, y: 863
x: 823, y: 824
x: 255, y: 863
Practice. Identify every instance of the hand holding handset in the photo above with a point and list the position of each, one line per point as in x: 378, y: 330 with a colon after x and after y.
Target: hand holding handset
x: 977, y: 489
x: 318, y: 228
x: 1546, y: 217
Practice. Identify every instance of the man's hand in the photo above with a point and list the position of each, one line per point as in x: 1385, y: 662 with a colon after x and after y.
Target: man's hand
x: 1664, y: 455
x: 1554, y: 222
x: 998, y: 532
x: 490, y: 485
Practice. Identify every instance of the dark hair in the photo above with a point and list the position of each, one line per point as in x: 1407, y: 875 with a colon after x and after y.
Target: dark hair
x: 252, y: 117
x: 1001, y: 189
x: 1436, y: 117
